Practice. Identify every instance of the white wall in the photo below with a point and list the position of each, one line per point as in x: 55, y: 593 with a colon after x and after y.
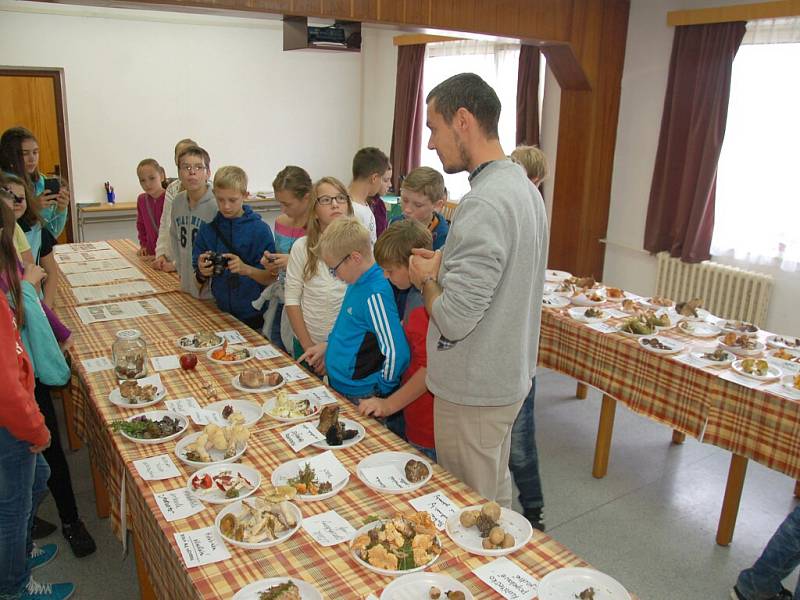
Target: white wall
x: 644, y: 83
x: 378, y: 78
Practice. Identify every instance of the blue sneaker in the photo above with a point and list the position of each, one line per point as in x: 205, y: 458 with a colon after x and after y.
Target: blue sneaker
x: 41, y: 555
x: 47, y: 591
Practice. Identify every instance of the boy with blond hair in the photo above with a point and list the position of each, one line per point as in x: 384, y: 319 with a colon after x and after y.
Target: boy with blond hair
x: 366, y: 352
x: 392, y: 252
x: 422, y: 196
x: 228, y: 250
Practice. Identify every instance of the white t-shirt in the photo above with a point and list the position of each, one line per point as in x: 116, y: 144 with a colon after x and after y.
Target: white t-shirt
x: 364, y: 214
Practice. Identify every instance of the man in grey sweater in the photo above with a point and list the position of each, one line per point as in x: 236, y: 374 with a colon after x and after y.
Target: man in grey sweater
x: 483, y: 291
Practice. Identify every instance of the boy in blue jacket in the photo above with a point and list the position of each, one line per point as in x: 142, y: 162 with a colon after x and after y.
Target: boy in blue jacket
x: 366, y: 352
x: 236, y: 239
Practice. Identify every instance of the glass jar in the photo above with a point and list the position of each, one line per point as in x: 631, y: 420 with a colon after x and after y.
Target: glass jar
x: 130, y: 355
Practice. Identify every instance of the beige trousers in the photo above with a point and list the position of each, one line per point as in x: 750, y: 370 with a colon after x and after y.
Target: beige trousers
x: 473, y: 443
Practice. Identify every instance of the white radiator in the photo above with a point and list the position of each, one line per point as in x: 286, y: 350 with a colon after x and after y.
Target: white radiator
x: 727, y: 292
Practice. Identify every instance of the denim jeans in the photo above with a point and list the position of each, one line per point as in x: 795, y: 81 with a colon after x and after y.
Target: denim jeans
x: 524, y: 460
x: 23, y: 485
x: 429, y: 452
x: 395, y: 423
x: 777, y: 561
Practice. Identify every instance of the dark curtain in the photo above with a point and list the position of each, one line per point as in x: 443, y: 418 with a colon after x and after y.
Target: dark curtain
x: 409, y: 112
x: 680, y: 216
x: 528, y: 96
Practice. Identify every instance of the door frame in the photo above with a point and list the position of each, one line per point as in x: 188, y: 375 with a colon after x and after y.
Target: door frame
x: 57, y: 75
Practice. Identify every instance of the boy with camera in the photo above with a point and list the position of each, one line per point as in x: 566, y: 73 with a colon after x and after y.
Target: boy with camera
x: 228, y: 249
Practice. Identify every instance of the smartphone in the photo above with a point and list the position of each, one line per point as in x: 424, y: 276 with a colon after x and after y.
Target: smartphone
x: 52, y: 185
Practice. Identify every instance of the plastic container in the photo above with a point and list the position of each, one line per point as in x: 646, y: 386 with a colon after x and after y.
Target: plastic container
x: 129, y: 353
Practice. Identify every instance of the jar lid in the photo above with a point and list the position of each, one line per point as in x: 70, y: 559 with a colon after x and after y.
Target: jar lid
x: 129, y: 334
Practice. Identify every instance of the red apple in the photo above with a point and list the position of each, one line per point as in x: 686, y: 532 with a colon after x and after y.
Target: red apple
x: 188, y: 361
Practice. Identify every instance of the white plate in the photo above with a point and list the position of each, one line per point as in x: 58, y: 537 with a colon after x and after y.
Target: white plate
x: 554, y: 301
x: 252, y: 411
x: 553, y: 275
x: 784, y: 341
x: 563, y: 584
x: 252, y: 591
x: 216, y: 496
x: 726, y: 326
x: 674, y: 345
x: 287, y: 470
x: 115, y: 398
x: 235, y: 383
x: 583, y: 300
x: 399, y: 460
x: 699, y: 329
x: 739, y: 351
x: 230, y: 362
x: 348, y: 424
x: 236, y: 508
x: 773, y: 372
x: 469, y: 538
x: 649, y: 302
x: 180, y: 340
x: 216, y: 455
x: 639, y: 306
x: 792, y: 364
x: 788, y: 383
x: 378, y: 570
x: 577, y: 313
x: 702, y: 315
x: 713, y: 363
x: 635, y: 335
x: 156, y: 415
x: 417, y: 586
x: 269, y: 405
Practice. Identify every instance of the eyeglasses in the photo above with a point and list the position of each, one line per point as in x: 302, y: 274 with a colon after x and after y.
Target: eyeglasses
x: 328, y: 200
x: 17, y: 199
x: 193, y: 168
x: 339, y: 264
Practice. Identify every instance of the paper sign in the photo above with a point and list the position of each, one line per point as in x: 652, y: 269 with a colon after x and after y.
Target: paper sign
x: 182, y: 405
x: 616, y: 313
x: 741, y: 380
x: 93, y: 365
x: 320, y: 393
x: 693, y: 361
x: 328, y: 529
x: 292, y: 373
x: 98, y: 293
x: 103, y: 277
x: 785, y: 365
x: 328, y: 467
x: 438, y: 505
x: 302, y: 435
x: 178, y: 504
x: 121, y: 310
x: 156, y: 468
x: 165, y: 363
x: 97, y: 265
x: 266, y: 352
x: 233, y: 336
x: 507, y: 579
x: 201, y: 547
x: 386, y: 476
x: 190, y: 408
x: 151, y: 380
x: 783, y: 391
x: 81, y: 247
x: 603, y: 327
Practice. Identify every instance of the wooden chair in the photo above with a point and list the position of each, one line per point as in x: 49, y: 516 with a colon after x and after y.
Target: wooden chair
x: 449, y: 210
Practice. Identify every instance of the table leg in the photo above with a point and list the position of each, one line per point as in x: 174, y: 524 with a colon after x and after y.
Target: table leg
x: 730, y: 503
x: 678, y: 437
x: 605, y: 430
x: 581, y: 391
x: 103, y: 504
x: 67, y: 400
x: 146, y: 591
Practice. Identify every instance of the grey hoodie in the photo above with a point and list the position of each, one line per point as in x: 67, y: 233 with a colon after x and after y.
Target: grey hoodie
x: 483, y: 337
x: 183, y: 227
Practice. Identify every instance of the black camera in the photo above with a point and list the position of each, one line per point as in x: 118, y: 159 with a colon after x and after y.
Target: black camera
x: 219, y: 262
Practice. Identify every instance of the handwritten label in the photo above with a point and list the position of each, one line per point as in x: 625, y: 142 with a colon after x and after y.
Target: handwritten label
x: 178, y: 504
x: 292, y: 373
x: 182, y: 405
x: 438, y: 505
x: 328, y: 529
x: 201, y: 547
x: 616, y: 313
x: 320, y: 393
x: 386, y: 476
x: 156, y: 468
x: 781, y: 390
x: 189, y: 407
x: 508, y: 580
x: 266, y: 352
x: 603, y: 327
x: 232, y: 335
x: 165, y: 363
x: 301, y: 436
x: 94, y: 365
x: 325, y: 465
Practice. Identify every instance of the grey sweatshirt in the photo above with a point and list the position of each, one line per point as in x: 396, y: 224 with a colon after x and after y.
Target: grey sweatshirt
x: 483, y: 337
x: 183, y: 227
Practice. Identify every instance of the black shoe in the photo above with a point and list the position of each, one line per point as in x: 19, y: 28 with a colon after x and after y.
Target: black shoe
x: 41, y: 528
x: 534, y: 515
x: 79, y: 539
x: 784, y: 594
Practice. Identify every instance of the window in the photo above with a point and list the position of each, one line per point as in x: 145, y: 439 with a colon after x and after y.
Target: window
x: 758, y: 179
x: 497, y: 64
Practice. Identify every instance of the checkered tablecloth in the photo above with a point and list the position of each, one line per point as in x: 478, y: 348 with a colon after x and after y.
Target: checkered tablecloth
x: 332, y: 569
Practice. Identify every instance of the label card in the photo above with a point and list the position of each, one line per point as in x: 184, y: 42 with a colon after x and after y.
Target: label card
x: 782, y: 391
x: 182, y: 405
x: 233, y: 336
x: 438, y: 505
x: 292, y: 373
x: 507, y: 579
x: 616, y: 313
x: 603, y: 327
x: 93, y: 365
x: 386, y: 476
x: 266, y: 352
x: 322, y: 394
x: 328, y: 467
x: 747, y: 382
x: 157, y: 468
x: 165, y: 363
x: 201, y: 547
x: 328, y: 529
x: 189, y: 407
x: 302, y: 435
x: 178, y: 504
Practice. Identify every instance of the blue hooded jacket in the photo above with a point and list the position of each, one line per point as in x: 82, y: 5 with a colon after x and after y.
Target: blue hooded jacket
x: 250, y: 238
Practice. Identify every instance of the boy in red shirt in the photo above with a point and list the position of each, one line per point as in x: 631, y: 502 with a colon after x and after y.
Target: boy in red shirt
x: 392, y: 252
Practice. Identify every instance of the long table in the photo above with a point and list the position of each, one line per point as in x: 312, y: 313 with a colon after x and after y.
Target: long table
x: 129, y: 500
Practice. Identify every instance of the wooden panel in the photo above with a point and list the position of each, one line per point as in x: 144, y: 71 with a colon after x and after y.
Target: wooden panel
x: 545, y: 20
x: 412, y: 39
x: 566, y: 68
x: 341, y: 9
x: 735, y: 12
x: 391, y: 11
x: 365, y: 10
x: 417, y: 11
x: 307, y: 7
x: 460, y: 15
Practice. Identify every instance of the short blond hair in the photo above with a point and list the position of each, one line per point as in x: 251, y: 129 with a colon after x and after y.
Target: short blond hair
x: 343, y: 236
x: 533, y: 160
x: 231, y: 178
x: 398, y: 240
x: 426, y: 181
